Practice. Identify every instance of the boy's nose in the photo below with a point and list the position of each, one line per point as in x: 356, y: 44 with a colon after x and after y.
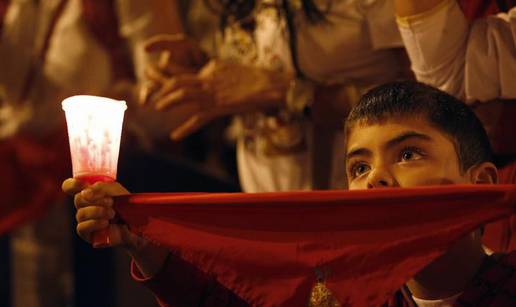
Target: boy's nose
x: 379, y: 179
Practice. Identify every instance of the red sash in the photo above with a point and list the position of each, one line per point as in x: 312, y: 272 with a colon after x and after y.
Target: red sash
x: 31, y: 176
x: 270, y: 248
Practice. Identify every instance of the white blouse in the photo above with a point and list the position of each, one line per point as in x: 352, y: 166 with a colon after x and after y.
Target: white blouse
x: 76, y: 64
x: 471, y: 61
x: 354, y: 47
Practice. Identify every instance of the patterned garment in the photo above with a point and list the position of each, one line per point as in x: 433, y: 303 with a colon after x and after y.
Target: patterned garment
x: 352, y: 50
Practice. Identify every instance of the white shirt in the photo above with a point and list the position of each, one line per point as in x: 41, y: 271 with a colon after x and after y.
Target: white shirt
x: 353, y: 47
x: 471, y: 61
x: 77, y: 63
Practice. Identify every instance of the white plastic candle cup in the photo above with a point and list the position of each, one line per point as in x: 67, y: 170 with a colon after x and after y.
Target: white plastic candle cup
x: 94, y: 132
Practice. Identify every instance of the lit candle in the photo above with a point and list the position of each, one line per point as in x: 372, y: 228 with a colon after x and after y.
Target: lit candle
x: 94, y: 132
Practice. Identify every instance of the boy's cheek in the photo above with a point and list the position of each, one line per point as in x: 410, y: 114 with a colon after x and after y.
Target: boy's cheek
x: 354, y: 186
x: 430, y: 175
x: 357, y: 183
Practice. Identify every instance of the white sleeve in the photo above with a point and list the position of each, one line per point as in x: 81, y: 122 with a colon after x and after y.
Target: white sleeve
x: 135, y: 26
x: 476, y: 62
x: 436, y: 44
x: 490, y: 70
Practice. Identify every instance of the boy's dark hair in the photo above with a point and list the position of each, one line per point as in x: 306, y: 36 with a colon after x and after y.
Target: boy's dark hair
x: 445, y: 112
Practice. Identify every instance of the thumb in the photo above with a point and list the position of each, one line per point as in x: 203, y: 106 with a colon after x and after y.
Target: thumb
x: 113, y: 188
x: 72, y: 186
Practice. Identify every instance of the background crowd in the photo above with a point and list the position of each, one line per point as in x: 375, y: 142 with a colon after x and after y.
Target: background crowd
x: 223, y: 96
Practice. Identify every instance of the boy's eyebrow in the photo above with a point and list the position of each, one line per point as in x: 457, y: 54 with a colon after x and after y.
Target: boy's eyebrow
x: 406, y: 136
x: 391, y: 143
x: 358, y: 152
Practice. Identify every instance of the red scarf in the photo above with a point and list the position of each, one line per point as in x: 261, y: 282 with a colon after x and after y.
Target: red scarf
x: 30, y: 178
x: 270, y: 248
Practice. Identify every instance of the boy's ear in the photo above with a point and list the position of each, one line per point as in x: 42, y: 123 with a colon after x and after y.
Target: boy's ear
x: 485, y: 172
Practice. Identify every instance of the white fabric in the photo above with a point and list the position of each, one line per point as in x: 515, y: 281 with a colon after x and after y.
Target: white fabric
x: 355, y: 46
x: 76, y: 64
x: 473, y: 62
x: 445, y: 302
x: 259, y: 172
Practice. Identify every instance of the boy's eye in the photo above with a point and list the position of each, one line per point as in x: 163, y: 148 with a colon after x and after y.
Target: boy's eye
x: 410, y: 154
x: 358, y: 169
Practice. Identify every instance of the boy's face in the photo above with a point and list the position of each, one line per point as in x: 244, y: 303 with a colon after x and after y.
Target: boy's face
x: 404, y: 152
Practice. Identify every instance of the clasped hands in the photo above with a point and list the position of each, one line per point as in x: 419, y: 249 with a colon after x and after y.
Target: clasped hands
x: 215, y: 88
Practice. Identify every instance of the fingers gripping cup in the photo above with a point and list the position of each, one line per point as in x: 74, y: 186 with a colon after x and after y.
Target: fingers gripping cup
x: 94, y: 132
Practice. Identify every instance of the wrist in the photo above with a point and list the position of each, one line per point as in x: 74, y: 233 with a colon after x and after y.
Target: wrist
x: 275, y: 94
x: 148, y: 257
x: 267, y: 90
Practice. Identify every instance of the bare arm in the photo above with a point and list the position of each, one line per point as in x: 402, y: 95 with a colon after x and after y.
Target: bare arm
x: 412, y: 7
x: 141, y: 20
x: 474, y: 62
x: 437, y: 55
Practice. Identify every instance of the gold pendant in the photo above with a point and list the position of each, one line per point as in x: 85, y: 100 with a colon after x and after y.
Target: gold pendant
x: 322, y: 297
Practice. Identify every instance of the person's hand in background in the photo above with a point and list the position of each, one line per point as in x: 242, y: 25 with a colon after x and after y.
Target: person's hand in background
x: 177, y: 54
x: 220, y: 89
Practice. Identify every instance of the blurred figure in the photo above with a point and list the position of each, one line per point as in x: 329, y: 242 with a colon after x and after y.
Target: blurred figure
x: 463, y: 61
x: 290, y: 71
x: 475, y: 61
x: 50, y: 50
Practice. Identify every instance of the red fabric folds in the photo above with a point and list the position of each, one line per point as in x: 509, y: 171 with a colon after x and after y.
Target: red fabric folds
x: 498, y: 236
x: 270, y: 248
x: 30, y: 177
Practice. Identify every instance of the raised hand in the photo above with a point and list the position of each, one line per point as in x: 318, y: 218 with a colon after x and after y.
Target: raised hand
x: 221, y: 88
x: 178, y: 54
x: 94, y: 205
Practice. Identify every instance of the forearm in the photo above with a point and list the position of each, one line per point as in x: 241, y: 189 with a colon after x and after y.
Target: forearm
x: 252, y: 89
x: 149, y: 17
x: 275, y: 94
x: 173, y: 281
x: 141, y: 20
x: 149, y: 258
x: 405, y: 8
x: 179, y: 283
x: 436, y: 42
x: 167, y: 16
x: 490, y: 68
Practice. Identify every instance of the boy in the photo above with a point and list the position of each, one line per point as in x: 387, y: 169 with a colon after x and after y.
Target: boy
x: 402, y: 134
